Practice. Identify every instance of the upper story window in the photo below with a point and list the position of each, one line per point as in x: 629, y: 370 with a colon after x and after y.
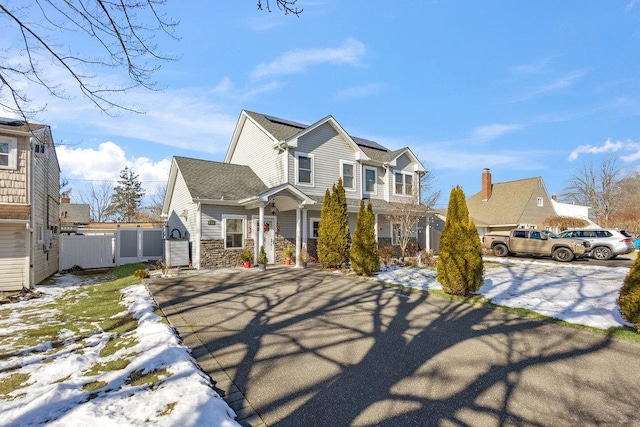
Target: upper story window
x: 403, y: 184
x: 39, y: 148
x: 540, y: 202
x: 8, y: 153
x: 304, y: 166
x: 348, y: 175
x: 370, y: 178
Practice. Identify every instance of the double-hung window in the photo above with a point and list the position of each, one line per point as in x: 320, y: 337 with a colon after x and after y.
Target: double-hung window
x: 370, y: 178
x: 234, y: 232
x: 404, y: 184
x: 348, y: 175
x: 305, y: 168
x: 8, y: 153
x: 315, y: 226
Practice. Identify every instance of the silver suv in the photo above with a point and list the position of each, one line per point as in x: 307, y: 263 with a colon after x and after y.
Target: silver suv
x: 606, y: 243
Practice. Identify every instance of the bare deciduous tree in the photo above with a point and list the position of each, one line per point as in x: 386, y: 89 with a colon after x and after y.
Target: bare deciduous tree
x: 119, y: 35
x: 428, y: 195
x: 405, y: 217
x: 564, y: 222
x: 98, y: 197
x: 597, y: 187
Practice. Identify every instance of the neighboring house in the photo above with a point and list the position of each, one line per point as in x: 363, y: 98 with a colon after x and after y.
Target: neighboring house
x: 29, y: 204
x: 500, y: 207
x: 274, y: 179
x: 573, y: 211
x: 73, y: 215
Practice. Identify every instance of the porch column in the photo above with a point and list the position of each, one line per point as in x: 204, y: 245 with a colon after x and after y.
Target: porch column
x: 376, y: 226
x: 260, y: 227
x: 305, y: 227
x: 298, y: 235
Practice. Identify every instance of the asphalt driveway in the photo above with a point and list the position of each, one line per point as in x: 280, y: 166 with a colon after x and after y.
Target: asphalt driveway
x: 311, y: 348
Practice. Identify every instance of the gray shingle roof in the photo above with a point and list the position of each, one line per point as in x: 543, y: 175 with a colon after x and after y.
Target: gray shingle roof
x: 507, y: 202
x: 207, y: 179
x: 74, y: 213
x: 282, y: 129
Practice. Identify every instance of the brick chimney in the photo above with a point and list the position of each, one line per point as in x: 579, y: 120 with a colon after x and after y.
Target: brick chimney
x: 65, y: 199
x: 486, y: 184
x: 554, y: 197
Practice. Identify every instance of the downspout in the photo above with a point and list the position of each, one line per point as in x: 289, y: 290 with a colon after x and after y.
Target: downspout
x: 198, y: 236
x: 29, y: 189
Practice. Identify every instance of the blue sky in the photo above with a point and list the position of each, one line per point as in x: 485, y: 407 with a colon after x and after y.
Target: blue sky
x: 523, y: 88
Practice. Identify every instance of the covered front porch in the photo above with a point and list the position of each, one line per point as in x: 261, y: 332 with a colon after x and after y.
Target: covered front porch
x: 274, y: 209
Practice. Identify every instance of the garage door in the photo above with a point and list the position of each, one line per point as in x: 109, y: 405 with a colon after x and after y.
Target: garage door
x: 14, y: 266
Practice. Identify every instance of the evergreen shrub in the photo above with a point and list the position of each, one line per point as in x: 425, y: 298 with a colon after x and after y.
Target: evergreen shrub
x: 629, y: 298
x: 459, y: 267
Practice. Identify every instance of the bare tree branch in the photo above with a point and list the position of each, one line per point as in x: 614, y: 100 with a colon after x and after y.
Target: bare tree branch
x: 597, y: 187
x: 287, y: 6
x: 122, y: 35
x: 120, y: 32
x: 98, y: 197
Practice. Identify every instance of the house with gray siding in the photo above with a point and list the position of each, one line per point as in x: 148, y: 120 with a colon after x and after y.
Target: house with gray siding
x: 29, y: 204
x: 270, y: 187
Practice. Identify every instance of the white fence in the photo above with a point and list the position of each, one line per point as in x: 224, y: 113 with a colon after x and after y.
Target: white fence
x: 86, y: 251
x: 125, y: 247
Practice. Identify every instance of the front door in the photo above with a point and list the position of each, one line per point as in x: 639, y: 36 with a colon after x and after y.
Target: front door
x: 269, y: 237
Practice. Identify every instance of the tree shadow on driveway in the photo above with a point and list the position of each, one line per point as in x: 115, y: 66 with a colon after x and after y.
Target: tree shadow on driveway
x: 315, y: 348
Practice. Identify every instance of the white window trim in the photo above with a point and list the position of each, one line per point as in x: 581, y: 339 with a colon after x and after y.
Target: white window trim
x: 13, y: 152
x: 313, y: 168
x: 404, y: 183
x: 364, y: 180
x: 353, y: 164
x: 311, y: 221
x: 39, y: 233
x: 393, y: 224
x: 224, y: 230
x: 540, y: 202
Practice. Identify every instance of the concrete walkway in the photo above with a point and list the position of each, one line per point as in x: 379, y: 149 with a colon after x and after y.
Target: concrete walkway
x: 297, y: 347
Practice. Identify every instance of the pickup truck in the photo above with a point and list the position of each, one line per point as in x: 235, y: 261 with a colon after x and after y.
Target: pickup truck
x: 535, y: 242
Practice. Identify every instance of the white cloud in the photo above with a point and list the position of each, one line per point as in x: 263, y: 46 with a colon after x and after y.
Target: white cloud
x: 361, y: 91
x: 85, y: 165
x: 493, y: 131
x: 563, y: 82
x: 607, y: 147
x: 531, y: 68
x: 299, y: 60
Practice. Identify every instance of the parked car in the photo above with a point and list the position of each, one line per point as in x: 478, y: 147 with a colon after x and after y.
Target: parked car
x: 606, y: 243
x: 535, y: 242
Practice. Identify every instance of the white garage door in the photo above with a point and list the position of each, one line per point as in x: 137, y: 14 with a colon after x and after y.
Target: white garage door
x: 14, y: 259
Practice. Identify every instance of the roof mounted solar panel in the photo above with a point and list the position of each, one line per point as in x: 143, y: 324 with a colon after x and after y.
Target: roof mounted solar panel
x: 285, y: 122
x: 10, y: 122
x: 367, y: 143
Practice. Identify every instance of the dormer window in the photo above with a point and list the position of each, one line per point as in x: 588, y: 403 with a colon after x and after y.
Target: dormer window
x: 404, y: 184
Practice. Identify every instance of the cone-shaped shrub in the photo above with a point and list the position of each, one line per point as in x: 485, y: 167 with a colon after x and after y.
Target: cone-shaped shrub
x: 334, y: 239
x: 629, y: 298
x: 364, y: 249
x: 460, y: 269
